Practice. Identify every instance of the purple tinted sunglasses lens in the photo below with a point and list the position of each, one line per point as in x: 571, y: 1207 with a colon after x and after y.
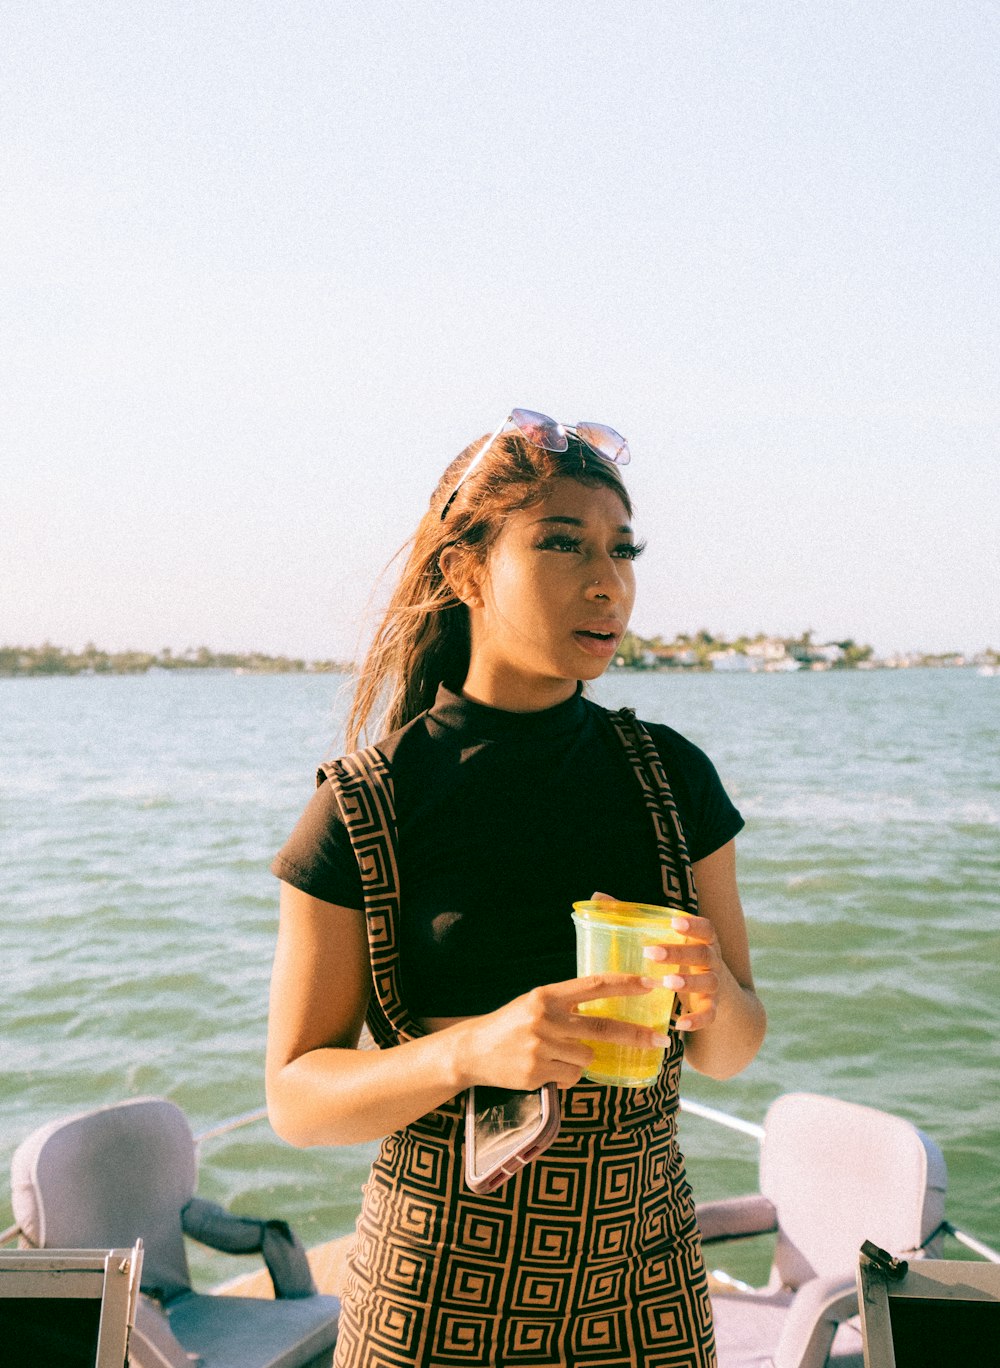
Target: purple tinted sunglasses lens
x: 539, y: 429
x: 604, y: 441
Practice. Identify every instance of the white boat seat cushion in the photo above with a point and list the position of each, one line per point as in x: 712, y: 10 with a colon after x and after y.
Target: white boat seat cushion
x: 108, y: 1177
x: 832, y: 1174
x: 131, y: 1167
x: 748, y: 1333
x: 838, y: 1174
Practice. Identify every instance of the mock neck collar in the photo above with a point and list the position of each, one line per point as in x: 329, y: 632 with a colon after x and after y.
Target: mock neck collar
x: 458, y: 714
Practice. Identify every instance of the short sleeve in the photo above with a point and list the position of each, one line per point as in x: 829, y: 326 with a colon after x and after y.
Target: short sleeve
x: 318, y: 857
x: 709, y: 816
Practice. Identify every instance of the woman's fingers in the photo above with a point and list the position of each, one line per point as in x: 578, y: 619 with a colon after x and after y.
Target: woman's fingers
x: 678, y: 950
x: 584, y: 1026
x: 700, y: 984
x: 694, y: 962
x: 700, y: 952
x: 699, y: 947
x: 614, y: 1032
x: 697, y: 928
x: 598, y: 986
x: 697, y: 995
x: 542, y: 1037
x: 695, y: 1021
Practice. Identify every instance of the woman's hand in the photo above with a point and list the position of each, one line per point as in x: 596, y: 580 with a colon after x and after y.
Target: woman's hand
x: 540, y: 1037
x: 720, y: 1011
x: 698, y: 966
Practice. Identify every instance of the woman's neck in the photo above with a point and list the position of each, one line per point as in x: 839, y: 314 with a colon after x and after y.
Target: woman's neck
x: 512, y: 691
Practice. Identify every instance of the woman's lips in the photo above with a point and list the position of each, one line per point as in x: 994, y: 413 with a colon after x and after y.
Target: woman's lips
x: 595, y: 642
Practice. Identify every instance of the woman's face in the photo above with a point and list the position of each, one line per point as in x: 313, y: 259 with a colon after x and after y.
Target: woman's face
x: 554, y: 598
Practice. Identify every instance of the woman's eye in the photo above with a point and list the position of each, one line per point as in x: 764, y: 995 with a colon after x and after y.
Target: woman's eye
x: 558, y: 542
x: 629, y: 550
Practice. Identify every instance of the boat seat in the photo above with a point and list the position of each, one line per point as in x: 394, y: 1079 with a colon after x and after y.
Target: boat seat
x: 832, y: 1175
x: 128, y: 1171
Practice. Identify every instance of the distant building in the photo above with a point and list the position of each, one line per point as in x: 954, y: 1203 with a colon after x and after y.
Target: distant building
x: 767, y: 654
x: 767, y: 649
x: 671, y: 656
x: 730, y: 660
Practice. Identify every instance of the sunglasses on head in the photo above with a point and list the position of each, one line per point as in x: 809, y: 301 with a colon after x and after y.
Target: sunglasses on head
x: 542, y: 431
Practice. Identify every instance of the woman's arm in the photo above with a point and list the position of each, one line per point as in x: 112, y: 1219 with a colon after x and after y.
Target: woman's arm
x: 322, y: 1090
x: 723, y: 1015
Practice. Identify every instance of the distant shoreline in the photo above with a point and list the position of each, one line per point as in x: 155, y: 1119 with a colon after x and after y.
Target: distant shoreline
x: 18, y: 662
x: 701, y: 654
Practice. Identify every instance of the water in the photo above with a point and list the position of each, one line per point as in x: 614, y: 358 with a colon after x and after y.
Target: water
x: 138, y: 816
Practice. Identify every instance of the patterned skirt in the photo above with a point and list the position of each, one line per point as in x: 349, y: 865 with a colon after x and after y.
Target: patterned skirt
x: 588, y: 1258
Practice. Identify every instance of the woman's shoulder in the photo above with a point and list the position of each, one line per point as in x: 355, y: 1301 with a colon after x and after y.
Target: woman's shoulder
x: 709, y: 816
x: 318, y: 856
x: 670, y: 744
x: 385, y: 753
x: 669, y: 741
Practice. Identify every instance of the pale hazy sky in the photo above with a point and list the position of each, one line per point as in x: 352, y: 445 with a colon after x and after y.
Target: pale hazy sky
x: 265, y: 268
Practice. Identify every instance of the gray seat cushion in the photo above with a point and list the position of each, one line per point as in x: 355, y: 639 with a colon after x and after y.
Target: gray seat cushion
x: 245, y: 1332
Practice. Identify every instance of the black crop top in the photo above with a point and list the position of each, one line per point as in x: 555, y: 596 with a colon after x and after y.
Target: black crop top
x: 504, y: 820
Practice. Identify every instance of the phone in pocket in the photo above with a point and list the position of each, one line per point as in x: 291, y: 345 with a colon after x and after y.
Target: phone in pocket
x: 504, y: 1130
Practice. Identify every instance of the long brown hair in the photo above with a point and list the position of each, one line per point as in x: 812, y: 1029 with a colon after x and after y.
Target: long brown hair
x: 423, y: 639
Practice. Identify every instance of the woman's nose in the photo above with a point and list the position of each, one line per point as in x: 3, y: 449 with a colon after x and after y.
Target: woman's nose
x: 604, y: 581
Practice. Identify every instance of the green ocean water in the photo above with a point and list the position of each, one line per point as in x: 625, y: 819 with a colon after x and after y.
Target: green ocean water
x: 138, y: 817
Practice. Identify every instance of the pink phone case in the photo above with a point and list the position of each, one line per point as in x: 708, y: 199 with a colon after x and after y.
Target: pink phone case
x: 542, y: 1131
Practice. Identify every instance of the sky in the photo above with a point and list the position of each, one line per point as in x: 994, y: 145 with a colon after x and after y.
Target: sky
x: 266, y: 268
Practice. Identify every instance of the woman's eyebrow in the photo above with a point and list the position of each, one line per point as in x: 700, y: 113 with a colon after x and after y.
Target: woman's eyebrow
x: 578, y: 522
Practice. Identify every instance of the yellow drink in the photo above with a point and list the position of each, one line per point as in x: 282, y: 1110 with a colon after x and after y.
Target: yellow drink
x: 623, y: 1065
x: 611, y: 938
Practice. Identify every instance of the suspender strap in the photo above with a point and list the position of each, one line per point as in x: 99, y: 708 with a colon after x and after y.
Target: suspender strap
x: 364, y: 789
x: 675, y: 863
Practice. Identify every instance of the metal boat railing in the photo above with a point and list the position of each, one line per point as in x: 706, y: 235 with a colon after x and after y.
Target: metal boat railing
x: 983, y: 1250
x: 722, y: 1118
x: 234, y: 1123
x: 719, y: 1118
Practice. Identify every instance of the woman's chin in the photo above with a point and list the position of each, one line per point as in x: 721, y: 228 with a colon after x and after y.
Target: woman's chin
x: 592, y: 667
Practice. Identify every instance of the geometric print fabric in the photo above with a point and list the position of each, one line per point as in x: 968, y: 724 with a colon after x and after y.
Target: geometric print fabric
x: 589, y: 1257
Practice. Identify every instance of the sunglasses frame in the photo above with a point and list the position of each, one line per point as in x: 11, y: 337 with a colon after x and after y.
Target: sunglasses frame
x: 557, y: 441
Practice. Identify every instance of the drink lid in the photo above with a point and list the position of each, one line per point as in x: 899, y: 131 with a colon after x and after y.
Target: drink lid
x: 629, y: 914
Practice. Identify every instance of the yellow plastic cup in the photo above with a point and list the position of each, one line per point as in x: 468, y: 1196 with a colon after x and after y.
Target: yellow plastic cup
x: 610, y: 939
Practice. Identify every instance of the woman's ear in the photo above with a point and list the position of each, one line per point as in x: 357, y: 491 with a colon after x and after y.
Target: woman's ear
x: 461, y: 573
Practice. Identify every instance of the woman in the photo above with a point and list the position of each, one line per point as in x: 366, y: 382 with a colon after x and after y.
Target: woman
x: 428, y: 885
